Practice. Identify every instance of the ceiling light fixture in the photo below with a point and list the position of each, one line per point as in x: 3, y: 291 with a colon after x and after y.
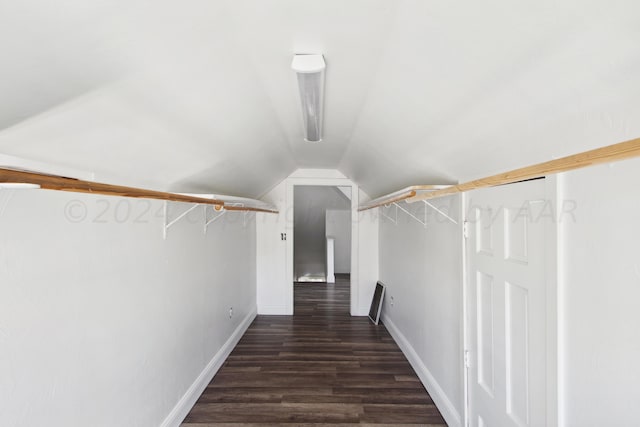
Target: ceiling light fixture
x: 310, y: 71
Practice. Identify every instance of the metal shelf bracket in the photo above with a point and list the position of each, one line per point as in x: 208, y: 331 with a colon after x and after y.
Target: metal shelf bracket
x: 394, y: 219
x: 244, y: 221
x: 421, y: 221
x: 207, y: 221
x: 440, y: 212
x: 168, y: 224
x: 246, y: 213
x: 5, y: 198
x: 385, y: 208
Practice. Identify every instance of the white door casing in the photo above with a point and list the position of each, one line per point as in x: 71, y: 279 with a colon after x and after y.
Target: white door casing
x: 506, y: 305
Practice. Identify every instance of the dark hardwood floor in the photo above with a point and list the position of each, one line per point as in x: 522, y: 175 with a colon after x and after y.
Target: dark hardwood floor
x: 320, y: 367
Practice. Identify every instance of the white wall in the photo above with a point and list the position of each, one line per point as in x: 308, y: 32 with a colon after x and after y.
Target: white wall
x: 338, y: 226
x: 104, y: 323
x: 271, y: 278
x: 365, y: 243
x: 422, y: 269
x: 599, y: 296
x: 310, y: 207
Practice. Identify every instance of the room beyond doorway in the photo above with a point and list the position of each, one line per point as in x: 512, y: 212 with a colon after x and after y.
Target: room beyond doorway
x: 322, y: 233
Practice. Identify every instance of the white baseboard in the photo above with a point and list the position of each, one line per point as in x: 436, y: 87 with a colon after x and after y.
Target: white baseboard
x: 274, y: 310
x: 447, y: 409
x: 184, y: 405
x: 364, y: 310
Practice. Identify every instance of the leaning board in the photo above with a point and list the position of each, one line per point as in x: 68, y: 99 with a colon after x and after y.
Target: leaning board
x: 376, y: 303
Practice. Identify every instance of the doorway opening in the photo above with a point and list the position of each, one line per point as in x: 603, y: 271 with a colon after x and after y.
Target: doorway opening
x: 322, y: 224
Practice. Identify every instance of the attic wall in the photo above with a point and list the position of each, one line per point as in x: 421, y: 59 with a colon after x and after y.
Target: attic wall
x: 422, y: 269
x: 599, y: 295
x: 104, y: 323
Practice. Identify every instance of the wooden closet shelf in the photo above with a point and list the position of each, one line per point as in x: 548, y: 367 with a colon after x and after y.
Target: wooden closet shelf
x: 60, y: 183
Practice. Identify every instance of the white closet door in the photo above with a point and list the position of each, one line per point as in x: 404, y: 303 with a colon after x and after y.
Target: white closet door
x: 506, y: 305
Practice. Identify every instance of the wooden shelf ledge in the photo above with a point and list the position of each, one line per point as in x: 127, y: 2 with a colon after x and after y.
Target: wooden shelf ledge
x: 611, y: 153
x: 234, y: 203
x: 60, y: 183
x: 608, y: 154
x: 400, y: 195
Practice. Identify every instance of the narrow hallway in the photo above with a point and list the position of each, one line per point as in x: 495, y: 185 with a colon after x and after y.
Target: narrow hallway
x: 318, y: 367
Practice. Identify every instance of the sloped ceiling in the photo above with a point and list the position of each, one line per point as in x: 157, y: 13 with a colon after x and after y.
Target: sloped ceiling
x: 199, y: 96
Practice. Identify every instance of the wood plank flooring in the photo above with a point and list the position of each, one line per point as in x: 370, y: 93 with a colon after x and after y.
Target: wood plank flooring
x: 320, y: 367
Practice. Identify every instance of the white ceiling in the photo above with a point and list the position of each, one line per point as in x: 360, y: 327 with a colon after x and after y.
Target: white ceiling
x: 199, y: 95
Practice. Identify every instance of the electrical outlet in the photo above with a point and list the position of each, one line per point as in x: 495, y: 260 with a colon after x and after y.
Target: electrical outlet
x: 230, y: 312
x: 391, y: 301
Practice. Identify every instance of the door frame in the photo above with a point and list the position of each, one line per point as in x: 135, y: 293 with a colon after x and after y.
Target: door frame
x: 553, y: 283
x: 289, y: 208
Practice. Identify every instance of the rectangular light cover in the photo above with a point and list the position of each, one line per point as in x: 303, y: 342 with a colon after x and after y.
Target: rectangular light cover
x: 310, y: 70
